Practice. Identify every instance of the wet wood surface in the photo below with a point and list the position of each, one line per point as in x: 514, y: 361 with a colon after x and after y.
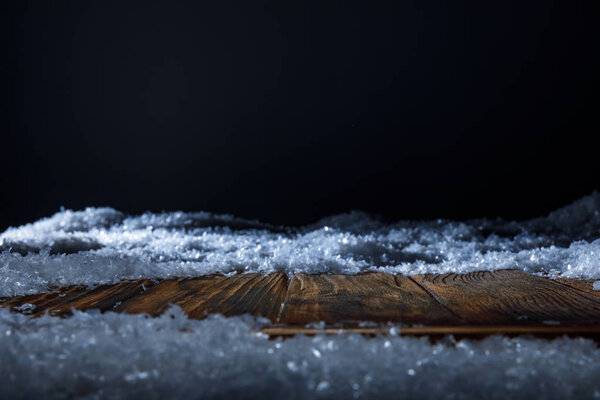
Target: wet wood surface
x: 471, y: 305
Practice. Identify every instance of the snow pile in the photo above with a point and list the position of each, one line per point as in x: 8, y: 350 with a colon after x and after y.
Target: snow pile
x: 102, y: 245
x: 130, y: 356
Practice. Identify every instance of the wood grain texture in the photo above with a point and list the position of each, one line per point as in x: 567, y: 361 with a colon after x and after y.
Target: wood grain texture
x: 256, y: 294
x: 61, y: 301
x: 586, y: 285
x: 469, y: 305
x: 376, y: 297
x: 509, y: 297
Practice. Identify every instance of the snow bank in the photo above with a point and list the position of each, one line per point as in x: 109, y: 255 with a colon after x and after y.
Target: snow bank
x: 130, y: 356
x: 102, y: 245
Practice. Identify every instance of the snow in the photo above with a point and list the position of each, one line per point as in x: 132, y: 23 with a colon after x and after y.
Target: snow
x: 118, y: 356
x: 102, y: 245
x: 92, y: 355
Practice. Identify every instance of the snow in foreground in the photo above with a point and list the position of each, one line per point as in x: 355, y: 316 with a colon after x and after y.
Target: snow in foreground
x: 102, y: 245
x: 131, y: 356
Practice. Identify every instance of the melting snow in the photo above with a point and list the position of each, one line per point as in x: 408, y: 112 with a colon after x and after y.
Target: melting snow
x: 102, y: 245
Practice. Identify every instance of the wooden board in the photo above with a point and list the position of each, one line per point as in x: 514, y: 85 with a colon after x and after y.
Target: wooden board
x: 586, y: 285
x: 376, y: 297
x: 61, y: 301
x: 255, y: 294
x: 509, y: 297
x: 469, y: 305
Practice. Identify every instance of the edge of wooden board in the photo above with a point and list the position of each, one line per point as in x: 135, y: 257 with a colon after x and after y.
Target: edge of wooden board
x: 458, y: 330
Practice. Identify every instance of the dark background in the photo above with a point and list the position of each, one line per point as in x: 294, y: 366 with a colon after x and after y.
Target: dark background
x: 288, y: 114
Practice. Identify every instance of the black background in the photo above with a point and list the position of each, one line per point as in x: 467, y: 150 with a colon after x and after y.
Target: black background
x: 288, y: 114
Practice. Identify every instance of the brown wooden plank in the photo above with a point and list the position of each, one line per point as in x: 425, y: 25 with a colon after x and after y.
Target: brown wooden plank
x: 240, y: 294
x: 586, y: 285
x: 61, y: 301
x: 510, y: 297
x: 490, y: 298
x: 366, y: 297
x: 44, y: 300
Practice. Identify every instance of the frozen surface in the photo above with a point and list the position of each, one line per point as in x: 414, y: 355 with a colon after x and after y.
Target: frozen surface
x: 130, y: 356
x: 102, y: 245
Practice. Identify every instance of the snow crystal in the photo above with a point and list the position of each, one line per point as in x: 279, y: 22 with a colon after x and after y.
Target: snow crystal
x: 113, y: 355
x: 102, y: 245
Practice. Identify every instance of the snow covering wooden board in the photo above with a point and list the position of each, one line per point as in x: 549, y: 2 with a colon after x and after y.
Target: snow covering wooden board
x: 474, y: 304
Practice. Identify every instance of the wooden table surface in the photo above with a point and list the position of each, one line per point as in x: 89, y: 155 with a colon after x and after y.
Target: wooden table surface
x: 471, y: 305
